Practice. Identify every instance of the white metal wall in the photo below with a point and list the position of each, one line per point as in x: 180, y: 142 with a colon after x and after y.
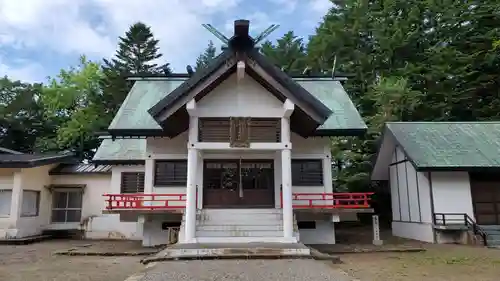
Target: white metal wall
x: 411, y: 200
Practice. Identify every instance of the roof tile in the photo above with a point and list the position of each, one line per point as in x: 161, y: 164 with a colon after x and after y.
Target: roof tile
x: 449, y: 144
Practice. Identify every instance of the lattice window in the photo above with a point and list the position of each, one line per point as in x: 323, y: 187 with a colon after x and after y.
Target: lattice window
x: 214, y: 130
x: 132, y: 182
x: 67, y: 206
x: 171, y: 173
x: 307, y: 172
x: 265, y: 129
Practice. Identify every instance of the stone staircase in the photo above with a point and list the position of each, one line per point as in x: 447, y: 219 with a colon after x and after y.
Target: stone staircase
x: 493, y: 234
x: 240, y: 226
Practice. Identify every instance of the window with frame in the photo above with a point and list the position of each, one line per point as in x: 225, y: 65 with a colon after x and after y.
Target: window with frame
x: 5, y: 201
x: 132, y: 182
x: 31, y: 203
x: 170, y: 173
x: 67, y: 206
x: 307, y: 172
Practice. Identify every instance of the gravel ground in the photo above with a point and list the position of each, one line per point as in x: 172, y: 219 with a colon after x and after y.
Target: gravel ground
x: 35, y: 262
x: 243, y: 270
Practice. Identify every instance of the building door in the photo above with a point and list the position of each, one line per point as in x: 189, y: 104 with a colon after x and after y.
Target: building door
x: 238, y: 184
x: 485, y: 191
x: 220, y: 183
x: 257, y: 180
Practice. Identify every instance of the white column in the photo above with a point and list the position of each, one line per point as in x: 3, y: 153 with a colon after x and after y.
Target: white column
x: 190, y: 215
x: 286, y: 179
x: 149, y: 170
x: 286, y: 173
x: 17, y: 197
x: 192, y: 163
x: 327, y: 168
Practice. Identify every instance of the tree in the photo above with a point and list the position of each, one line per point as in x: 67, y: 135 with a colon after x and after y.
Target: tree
x: 437, y: 57
x: 206, y: 57
x: 136, y: 55
x: 288, y: 53
x: 137, y: 51
x: 21, y: 116
x: 73, y: 100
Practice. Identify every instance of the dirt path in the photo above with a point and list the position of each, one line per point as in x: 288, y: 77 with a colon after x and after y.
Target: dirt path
x: 35, y: 262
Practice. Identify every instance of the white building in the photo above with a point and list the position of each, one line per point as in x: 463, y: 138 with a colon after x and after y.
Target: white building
x: 443, y: 179
x: 237, y: 152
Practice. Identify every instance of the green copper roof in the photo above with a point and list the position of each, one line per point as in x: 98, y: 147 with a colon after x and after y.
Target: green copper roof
x: 121, y: 149
x: 133, y: 114
x: 449, y: 144
x: 332, y: 94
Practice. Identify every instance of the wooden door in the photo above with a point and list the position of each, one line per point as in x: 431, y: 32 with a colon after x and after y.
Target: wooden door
x: 220, y: 184
x: 485, y: 193
x: 257, y: 179
x: 238, y: 184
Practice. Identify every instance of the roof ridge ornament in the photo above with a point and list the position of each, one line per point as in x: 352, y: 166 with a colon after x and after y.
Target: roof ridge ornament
x: 241, y: 39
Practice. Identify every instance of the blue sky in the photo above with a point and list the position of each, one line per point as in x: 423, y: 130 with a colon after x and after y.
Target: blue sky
x: 39, y: 37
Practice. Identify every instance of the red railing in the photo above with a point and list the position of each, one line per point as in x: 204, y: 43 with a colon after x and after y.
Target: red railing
x: 140, y: 201
x: 346, y: 200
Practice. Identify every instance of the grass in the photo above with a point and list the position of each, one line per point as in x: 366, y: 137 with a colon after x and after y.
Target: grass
x: 438, y: 263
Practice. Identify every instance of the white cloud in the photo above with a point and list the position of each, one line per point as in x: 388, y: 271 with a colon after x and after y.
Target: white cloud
x: 64, y: 26
x: 321, y: 6
x: 23, y: 71
x: 68, y: 28
x: 286, y: 6
x: 258, y: 22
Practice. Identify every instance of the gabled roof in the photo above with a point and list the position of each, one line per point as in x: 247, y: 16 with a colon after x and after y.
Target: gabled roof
x: 153, y: 107
x: 133, y: 119
x: 172, y: 116
x: 442, y: 146
x: 188, y: 84
x: 4, y: 150
x: 296, y: 90
x: 133, y: 114
x: 120, y: 151
x: 32, y: 160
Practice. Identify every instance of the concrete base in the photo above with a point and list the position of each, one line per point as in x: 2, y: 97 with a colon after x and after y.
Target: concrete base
x: 232, y: 251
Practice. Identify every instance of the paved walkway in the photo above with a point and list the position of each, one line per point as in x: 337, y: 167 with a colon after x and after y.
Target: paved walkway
x: 241, y: 270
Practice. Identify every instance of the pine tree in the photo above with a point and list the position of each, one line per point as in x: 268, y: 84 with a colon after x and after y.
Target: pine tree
x: 288, y: 53
x: 137, y: 53
x: 206, y: 57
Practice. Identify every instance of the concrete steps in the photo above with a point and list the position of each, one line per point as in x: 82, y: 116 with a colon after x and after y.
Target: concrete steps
x: 240, y: 226
x: 493, y: 232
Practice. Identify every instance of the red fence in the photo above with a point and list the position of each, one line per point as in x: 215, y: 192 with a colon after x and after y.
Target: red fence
x: 145, y: 201
x: 140, y: 201
x: 346, y: 200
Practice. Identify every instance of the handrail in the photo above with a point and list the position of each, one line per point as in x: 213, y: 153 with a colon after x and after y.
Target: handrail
x: 460, y: 219
x: 334, y: 200
x: 143, y: 201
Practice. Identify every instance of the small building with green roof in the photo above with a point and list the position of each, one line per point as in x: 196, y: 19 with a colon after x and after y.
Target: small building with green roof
x: 444, y: 179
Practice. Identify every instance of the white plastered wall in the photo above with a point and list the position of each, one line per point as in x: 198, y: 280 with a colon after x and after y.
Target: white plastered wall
x: 7, y: 225
x: 96, y: 224
x: 17, y: 180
